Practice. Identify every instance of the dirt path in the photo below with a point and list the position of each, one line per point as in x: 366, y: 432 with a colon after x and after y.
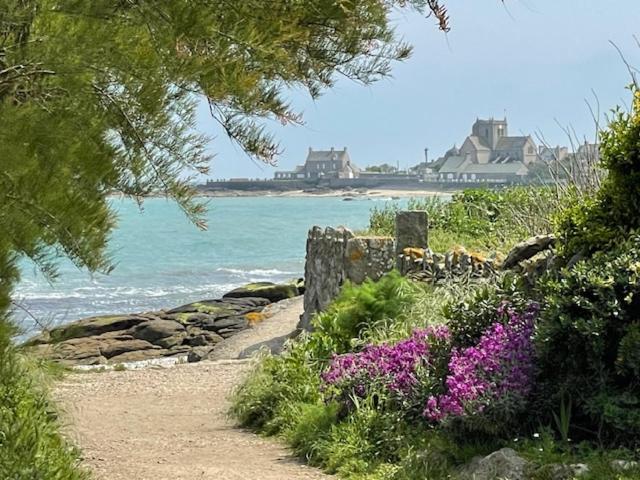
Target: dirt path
x: 171, y: 423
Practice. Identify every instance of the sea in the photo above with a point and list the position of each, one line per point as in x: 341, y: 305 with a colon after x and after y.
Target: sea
x: 163, y: 261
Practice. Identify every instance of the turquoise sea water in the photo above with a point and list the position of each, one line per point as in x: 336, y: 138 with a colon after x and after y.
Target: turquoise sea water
x: 163, y: 261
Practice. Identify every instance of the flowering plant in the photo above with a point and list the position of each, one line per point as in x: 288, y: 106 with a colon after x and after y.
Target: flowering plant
x: 398, y: 370
x: 496, y: 373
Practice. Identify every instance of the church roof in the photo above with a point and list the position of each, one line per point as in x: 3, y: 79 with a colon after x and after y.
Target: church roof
x: 452, y: 164
x: 509, y: 143
x: 478, y: 143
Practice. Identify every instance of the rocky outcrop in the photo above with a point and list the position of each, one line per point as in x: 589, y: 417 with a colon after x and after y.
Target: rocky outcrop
x: 191, y: 330
x: 271, y: 291
x: 503, y: 464
x: 527, y: 249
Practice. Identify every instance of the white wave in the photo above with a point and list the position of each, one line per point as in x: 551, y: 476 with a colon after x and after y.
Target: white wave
x: 97, y: 293
x: 255, y: 272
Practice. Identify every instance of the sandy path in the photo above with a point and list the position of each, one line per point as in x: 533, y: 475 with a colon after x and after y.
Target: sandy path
x: 171, y: 423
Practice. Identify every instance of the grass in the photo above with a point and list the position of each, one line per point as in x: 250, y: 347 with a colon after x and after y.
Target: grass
x: 31, y: 446
x: 283, y: 397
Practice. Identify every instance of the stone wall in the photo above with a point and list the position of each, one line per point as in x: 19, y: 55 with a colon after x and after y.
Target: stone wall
x: 335, y: 255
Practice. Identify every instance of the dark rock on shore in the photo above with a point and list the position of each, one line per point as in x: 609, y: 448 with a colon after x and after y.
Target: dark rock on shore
x: 191, y: 330
x: 271, y: 291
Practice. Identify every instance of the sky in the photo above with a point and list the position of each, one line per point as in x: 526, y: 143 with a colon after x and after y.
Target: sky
x: 537, y: 61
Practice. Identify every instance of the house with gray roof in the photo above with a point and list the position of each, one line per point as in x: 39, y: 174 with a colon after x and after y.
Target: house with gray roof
x: 488, y: 154
x: 322, y: 164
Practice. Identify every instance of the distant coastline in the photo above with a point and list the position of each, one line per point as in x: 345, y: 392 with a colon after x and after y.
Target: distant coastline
x: 345, y: 193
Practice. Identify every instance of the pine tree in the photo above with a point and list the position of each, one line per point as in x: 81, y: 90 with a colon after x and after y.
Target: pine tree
x: 99, y: 96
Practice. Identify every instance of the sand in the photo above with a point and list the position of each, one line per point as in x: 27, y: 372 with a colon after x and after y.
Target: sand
x: 172, y: 423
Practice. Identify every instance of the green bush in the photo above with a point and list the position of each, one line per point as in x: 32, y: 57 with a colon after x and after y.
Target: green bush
x: 358, y: 308
x: 30, y: 443
x: 588, y: 341
x: 590, y: 224
x: 479, y: 219
x: 468, y: 317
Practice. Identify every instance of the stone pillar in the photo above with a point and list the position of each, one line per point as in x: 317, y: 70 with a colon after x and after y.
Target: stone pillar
x: 412, y: 229
x: 324, y: 269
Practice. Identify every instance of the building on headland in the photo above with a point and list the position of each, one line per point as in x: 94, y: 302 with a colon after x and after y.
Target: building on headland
x: 322, y: 164
x: 552, y: 154
x: 489, y: 154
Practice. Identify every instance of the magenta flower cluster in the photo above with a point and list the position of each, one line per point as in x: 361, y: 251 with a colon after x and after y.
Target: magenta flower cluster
x: 394, y: 367
x: 498, y: 368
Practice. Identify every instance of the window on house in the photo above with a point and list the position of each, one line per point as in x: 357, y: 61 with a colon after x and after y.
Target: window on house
x: 531, y: 152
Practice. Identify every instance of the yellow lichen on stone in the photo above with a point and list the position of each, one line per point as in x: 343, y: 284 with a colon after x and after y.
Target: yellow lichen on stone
x: 254, y: 317
x: 457, y: 251
x: 413, y: 252
x: 356, y: 255
x: 477, y: 257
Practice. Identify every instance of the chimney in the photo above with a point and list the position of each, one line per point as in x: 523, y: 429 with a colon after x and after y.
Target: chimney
x: 345, y: 149
x: 310, y: 149
x: 331, y: 149
x: 426, y: 155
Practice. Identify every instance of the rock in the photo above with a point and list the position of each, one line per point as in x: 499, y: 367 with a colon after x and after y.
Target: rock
x: 93, y: 326
x: 503, y: 464
x: 368, y: 257
x: 527, y: 249
x: 93, y: 350
x: 197, y: 337
x: 557, y: 471
x: 206, y: 307
x: 178, y: 350
x: 579, y: 469
x: 232, y: 323
x: 137, y: 356
x: 198, y: 354
x: 117, y: 347
x: 271, y: 291
x: 274, y: 346
x: 87, y: 354
x: 127, y: 338
x: 172, y: 341
x: 247, y: 302
x: 624, y: 465
x: 154, y: 330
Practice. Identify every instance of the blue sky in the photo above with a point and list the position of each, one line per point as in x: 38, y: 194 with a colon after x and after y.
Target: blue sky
x: 536, y: 60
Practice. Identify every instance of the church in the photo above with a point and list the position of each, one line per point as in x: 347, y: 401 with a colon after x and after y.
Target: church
x: 488, y: 154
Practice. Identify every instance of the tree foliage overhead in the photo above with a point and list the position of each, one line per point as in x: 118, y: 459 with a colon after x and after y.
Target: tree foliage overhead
x: 100, y: 96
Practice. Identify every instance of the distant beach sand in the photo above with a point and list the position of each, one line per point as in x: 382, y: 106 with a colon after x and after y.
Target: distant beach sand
x: 355, y: 193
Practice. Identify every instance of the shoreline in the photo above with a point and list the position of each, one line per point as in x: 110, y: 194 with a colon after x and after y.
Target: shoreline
x: 344, y: 193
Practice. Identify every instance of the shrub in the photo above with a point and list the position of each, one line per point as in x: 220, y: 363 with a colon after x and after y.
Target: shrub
x: 468, y: 317
x: 267, y: 399
x: 595, y: 223
x: 358, y: 308
x: 488, y: 384
x: 480, y: 219
x: 31, y: 446
x: 588, y: 339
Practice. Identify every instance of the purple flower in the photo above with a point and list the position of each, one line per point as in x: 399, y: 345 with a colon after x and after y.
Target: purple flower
x: 394, y: 367
x: 500, y: 366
